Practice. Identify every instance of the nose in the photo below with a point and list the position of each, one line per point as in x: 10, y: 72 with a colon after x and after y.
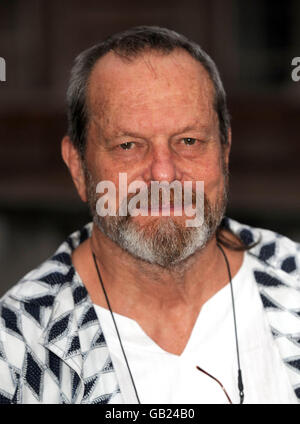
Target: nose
x: 163, y: 167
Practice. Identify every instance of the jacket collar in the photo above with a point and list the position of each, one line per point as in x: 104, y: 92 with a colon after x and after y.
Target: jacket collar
x: 74, y: 333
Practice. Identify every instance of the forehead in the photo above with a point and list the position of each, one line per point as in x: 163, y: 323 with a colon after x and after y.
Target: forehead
x: 151, y: 85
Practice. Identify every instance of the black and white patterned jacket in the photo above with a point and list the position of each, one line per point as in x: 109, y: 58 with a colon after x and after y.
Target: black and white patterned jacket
x: 52, y: 349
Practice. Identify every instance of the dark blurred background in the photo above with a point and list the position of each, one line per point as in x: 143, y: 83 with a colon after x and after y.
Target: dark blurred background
x: 253, y: 43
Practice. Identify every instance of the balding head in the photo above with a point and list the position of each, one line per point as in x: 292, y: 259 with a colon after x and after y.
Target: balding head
x: 128, y: 45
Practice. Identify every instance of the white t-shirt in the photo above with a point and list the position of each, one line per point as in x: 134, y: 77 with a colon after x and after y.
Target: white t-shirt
x: 161, y: 377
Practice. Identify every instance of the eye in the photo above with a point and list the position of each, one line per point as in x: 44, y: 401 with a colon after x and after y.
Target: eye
x: 188, y: 141
x: 127, y: 146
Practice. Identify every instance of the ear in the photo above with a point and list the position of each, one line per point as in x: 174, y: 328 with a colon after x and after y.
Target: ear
x: 227, y: 148
x: 73, y: 161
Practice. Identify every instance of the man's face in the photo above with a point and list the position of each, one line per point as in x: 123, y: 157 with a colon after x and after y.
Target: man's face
x: 153, y: 119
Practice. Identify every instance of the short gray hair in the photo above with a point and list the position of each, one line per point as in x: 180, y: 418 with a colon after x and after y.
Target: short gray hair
x: 129, y: 44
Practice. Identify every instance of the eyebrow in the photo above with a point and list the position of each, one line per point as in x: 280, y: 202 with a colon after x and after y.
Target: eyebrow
x: 196, y: 127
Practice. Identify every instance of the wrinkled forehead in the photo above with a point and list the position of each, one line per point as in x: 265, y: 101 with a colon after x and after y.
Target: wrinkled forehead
x: 152, y: 80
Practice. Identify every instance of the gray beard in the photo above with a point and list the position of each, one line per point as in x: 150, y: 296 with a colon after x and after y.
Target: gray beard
x: 163, y: 241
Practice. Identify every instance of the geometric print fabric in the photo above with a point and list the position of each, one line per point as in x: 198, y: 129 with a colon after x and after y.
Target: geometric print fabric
x: 278, y: 278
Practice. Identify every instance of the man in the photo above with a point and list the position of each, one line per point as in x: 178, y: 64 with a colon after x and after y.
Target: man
x: 141, y: 307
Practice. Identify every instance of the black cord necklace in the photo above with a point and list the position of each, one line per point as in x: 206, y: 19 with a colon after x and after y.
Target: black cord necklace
x: 118, y: 334
x: 240, y: 381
